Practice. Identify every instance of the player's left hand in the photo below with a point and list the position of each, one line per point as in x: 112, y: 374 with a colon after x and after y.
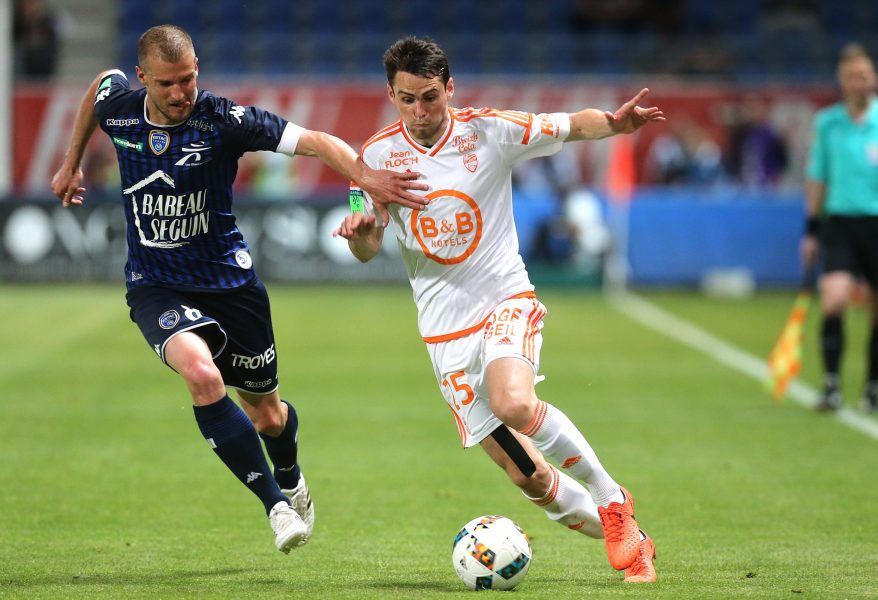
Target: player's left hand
x: 629, y: 117
x: 391, y: 187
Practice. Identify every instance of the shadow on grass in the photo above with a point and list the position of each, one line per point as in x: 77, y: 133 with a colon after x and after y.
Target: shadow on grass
x: 169, y: 577
x: 435, y: 585
x: 530, y: 584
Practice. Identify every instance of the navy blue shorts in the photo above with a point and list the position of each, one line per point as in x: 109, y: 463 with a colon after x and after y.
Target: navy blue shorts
x: 236, y: 324
x: 850, y: 244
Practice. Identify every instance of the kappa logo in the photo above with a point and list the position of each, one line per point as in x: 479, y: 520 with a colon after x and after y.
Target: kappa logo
x: 253, y: 476
x: 192, y: 155
x: 122, y: 122
x: 237, y: 112
x: 159, y: 141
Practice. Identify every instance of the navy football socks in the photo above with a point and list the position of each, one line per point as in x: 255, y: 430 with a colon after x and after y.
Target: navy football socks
x: 283, y: 451
x: 232, y: 436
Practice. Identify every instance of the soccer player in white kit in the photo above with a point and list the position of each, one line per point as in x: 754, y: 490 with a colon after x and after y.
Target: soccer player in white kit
x: 477, y: 310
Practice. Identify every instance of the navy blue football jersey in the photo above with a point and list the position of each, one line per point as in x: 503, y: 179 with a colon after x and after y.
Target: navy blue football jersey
x: 177, y: 185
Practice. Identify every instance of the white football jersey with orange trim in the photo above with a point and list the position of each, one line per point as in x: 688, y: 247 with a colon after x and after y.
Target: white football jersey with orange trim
x: 461, y: 252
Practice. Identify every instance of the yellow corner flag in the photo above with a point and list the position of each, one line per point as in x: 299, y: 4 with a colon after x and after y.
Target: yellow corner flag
x: 785, y: 360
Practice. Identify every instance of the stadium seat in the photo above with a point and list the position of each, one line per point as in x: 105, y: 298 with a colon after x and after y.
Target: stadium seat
x: 189, y: 17
x: 837, y: 17
x: 276, y: 55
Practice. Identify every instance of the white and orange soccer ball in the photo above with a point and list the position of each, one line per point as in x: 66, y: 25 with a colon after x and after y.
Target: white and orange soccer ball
x: 491, y: 553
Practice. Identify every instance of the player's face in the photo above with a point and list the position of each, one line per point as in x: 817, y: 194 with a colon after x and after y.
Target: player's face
x: 857, y: 79
x: 170, y: 87
x: 423, y: 105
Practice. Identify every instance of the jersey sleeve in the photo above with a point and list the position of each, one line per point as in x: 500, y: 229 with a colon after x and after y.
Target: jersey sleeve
x: 529, y: 135
x: 817, y: 159
x: 250, y: 128
x: 112, y: 87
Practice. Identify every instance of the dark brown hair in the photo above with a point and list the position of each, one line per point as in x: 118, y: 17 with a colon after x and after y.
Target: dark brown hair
x: 419, y: 56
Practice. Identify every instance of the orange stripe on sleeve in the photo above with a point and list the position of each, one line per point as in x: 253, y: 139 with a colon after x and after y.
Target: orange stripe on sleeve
x: 526, y: 139
x: 516, y: 116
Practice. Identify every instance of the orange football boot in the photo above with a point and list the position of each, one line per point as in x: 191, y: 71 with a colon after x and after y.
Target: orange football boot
x: 621, y: 533
x: 642, y: 570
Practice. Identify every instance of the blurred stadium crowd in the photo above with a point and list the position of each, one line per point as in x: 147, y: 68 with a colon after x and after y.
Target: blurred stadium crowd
x: 739, y: 80
x: 790, y: 39
x: 740, y: 39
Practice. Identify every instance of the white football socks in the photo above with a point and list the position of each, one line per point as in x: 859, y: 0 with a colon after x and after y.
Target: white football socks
x: 567, y: 502
x: 558, y: 438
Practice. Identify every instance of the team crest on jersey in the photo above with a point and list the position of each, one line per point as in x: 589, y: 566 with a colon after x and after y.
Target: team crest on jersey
x: 471, y: 162
x: 243, y: 258
x: 169, y: 319
x: 159, y: 141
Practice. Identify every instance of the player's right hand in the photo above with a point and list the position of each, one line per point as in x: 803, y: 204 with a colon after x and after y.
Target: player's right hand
x: 808, y: 250
x: 66, y: 185
x: 357, y: 226
x: 391, y: 187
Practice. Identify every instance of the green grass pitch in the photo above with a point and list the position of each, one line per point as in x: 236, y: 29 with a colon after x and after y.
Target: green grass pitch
x: 108, y: 490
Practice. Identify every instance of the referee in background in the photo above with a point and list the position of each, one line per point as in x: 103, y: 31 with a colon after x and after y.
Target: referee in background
x: 842, y: 216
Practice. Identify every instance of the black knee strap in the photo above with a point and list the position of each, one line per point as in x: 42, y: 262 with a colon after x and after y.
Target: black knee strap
x: 514, y: 450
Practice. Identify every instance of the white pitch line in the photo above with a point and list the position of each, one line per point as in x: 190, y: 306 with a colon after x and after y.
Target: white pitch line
x: 683, y: 331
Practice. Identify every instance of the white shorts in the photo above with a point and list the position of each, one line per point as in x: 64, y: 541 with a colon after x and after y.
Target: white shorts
x: 513, y: 330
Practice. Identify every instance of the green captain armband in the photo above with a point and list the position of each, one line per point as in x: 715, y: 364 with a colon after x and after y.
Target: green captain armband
x: 356, y: 199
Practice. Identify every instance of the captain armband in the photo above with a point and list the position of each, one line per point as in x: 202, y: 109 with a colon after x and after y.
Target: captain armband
x: 357, y: 200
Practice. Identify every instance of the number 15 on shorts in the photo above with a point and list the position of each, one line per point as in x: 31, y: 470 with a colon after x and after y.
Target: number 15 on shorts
x: 462, y: 393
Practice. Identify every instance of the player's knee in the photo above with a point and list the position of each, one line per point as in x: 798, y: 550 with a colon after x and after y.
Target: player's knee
x: 514, y: 406
x: 204, y: 381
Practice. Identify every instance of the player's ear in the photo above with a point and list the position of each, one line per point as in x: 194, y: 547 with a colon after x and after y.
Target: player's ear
x: 389, y: 92
x: 141, y: 76
x: 196, y: 66
x: 449, y: 87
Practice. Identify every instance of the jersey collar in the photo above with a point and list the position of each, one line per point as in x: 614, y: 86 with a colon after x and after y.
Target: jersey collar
x: 435, y: 148
x: 146, y: 116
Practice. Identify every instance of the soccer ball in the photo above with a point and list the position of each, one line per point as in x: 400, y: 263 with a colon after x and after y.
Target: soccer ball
x: 491, y: 553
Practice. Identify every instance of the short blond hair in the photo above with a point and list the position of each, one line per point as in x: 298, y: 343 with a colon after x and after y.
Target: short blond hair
x: 170, y: 42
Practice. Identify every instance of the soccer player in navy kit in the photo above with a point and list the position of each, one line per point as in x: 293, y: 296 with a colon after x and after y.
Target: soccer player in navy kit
x: 191, y: 285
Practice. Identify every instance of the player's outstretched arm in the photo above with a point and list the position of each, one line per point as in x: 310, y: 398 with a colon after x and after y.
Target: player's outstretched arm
x: 593, y: 124
x: 384, y: 187
x: 67, y: 181
x: 363, y: 233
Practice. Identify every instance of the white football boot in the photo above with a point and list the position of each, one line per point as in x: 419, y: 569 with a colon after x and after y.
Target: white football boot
x: 289, y: 529
x: 300, y: 498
